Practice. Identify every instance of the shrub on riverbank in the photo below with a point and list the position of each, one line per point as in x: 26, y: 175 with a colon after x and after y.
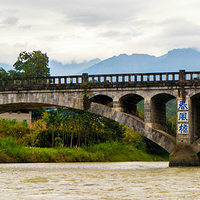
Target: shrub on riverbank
x: 12, y: 152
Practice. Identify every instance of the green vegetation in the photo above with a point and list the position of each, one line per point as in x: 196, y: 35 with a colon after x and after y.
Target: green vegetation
x: 171, y: 108
x: 12, y: 152
x: 71, y: 127
x: 140, y: 109
x: 76, y: 136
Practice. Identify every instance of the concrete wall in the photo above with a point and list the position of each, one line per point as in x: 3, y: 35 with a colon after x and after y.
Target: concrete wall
x: 19, y: 116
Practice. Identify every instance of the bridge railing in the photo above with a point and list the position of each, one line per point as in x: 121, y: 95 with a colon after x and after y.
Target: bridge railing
x: 95, y: 80
x: 134, y: 78
x: 192, y: 76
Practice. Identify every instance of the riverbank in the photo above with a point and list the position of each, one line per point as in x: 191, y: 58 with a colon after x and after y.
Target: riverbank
x: 12, y: 152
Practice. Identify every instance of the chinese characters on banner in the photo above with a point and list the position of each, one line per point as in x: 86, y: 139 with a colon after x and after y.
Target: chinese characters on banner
x: 182, y: 117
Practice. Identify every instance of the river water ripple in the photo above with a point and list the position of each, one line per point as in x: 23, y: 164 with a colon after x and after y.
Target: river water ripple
x: 91, y: 181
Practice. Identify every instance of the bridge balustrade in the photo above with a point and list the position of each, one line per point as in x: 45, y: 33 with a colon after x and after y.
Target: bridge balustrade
x: 139, y: 79
x: 134, y: 78
x: 192, y: 76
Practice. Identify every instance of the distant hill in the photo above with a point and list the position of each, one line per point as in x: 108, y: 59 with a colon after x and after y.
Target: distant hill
x: 188, y: 59
x: 120, y: 64
x: 59, y: 69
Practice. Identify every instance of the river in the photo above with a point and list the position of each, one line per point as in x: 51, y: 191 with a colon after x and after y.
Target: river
x: 91, y: 181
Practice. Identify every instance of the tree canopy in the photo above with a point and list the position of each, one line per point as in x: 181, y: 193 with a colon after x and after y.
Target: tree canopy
x: 28, y: 64
x: 32, y: 64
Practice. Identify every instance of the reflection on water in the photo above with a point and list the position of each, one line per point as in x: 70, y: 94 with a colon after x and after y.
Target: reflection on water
x: 126, y: 180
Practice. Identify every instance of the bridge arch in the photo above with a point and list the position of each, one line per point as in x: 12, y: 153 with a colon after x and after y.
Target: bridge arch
x: 103, y: 93
x: 18, y: 100
x: 128, y: 103
x: 158, y: 110
x: 161, y: 138
x: 102, y: 99
x: 167, y: 93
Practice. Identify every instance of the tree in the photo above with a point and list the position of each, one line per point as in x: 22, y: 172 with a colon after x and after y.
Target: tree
x: 31, y: 64
x: 77, y: 127
x: 3, y: 73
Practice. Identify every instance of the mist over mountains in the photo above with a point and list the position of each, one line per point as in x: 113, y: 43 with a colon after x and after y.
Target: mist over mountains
x: 59, y: 69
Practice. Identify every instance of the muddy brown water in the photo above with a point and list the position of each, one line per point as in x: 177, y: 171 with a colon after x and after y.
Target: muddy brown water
x: 91, y: 181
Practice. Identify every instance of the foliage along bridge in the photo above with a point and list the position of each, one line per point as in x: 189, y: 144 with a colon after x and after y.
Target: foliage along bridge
x: 116, y: 96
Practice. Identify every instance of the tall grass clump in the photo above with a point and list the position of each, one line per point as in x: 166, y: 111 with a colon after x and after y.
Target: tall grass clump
x: 118, y: 151
x: 13, y: 151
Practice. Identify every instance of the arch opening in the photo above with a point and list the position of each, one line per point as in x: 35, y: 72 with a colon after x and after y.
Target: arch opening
x: 171, y: 116
x: 103, y: 99
x: 129, y: 103
x: 140, y: 109
x: 195, y: 102
x: 158, y: 111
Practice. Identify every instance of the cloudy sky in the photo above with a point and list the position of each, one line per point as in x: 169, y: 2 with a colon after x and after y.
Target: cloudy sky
x: 78, y: 30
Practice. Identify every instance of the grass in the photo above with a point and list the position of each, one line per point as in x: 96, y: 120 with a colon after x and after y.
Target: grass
x: 12, y: 152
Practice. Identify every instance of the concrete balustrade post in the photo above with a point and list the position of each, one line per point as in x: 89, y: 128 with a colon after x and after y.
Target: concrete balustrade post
x: 84, y: 78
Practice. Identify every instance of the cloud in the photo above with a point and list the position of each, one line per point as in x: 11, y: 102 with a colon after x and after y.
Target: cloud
x: 116, y: 34
x: 178, y: 27
x: 11, y: 11
x: 78, y: 30
x: 110, y: 33
x: 21, y: 45
x: 87, y: 19
x: 100, y: 13
x: 10, y: 21
x: 26, y: 27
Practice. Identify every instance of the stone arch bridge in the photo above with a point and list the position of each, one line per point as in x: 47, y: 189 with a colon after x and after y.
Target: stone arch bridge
x: 116, y: 96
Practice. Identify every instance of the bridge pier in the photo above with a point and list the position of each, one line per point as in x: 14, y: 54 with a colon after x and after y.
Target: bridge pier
x: 147, y: 112
x: 116, y: 104
x: 183, y: 154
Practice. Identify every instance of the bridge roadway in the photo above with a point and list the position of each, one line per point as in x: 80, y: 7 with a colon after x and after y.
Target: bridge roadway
x: 116, y: 96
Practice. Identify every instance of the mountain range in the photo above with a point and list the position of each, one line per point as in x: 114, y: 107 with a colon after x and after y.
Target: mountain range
x: 187, y: 59
x: 173, y: 61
